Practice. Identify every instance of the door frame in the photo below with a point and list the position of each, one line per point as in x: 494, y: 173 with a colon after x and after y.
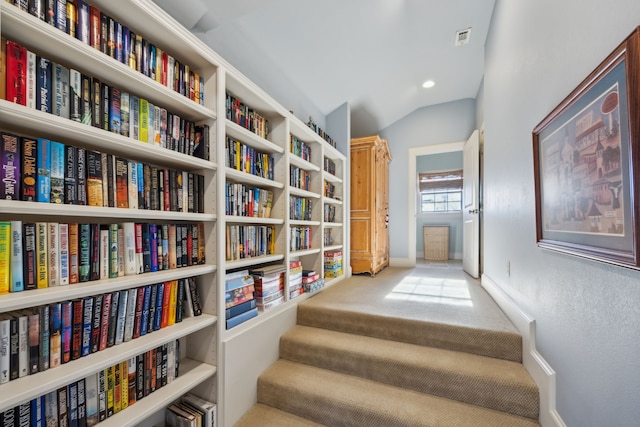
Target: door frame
x: 413, y: 188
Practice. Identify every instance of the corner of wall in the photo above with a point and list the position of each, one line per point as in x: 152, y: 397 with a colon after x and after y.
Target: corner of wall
x: 543, y: 375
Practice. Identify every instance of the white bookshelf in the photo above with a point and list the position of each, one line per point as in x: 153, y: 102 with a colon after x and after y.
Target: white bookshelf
x: 198, y: 368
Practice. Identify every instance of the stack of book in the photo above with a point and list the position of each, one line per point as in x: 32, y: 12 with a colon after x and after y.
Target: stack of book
x: 311, y: 281
x: 332, y: 264
x: 269, y: 286
x: 191, y: 410
x: 239, y: 301
x: 295, y: 279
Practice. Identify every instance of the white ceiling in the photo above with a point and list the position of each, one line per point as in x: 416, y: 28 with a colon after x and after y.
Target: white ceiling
x: 374, y: 54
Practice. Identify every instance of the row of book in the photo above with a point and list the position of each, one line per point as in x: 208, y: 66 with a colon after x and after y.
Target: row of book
x: 90, y: 25
x: 329, y: 190
x: 47, y: 171
x: 318, y: 130
x: 41, y: 338
x: 245, y: 158
x: 328, y: 236
x: 191, y: 411
x: 329, y: 166
x: 39, y: 83
x: 269, y: 286
x: 300, y: 148
x: 300, y: 208
x: 301, y: 238
x: 240, y: 304
x: 329, y: 213
x: 299, y: 178
x: 242, y: 115
x: 243, y: 200
x: 101, y: 395
x: 247, y: 241
x: 295, y: 279
x: 47, y: 254
x: 333, y: 264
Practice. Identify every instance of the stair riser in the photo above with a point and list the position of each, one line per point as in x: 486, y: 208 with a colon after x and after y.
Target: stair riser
x: 498, y: 344
x: 516, y: 398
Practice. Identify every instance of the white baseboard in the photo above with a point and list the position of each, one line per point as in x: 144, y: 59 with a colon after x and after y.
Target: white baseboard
x: 543, y: 375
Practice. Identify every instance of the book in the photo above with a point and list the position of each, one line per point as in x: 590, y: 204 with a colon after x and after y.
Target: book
x: 63, y: 255
x: 51, y: 408
x: 125, y: 105
x: 94, y: 179
x: 130, y: 257
x: 146, y: 309
x: 23, y: 344
x: 75, y: 95
x: 11, y: 257
x: 72, y: 404
x: 63, y: 414
x: 104, y: 322
x: 42, y: 258
x: 102, y: 394
x: 56, y: 174
x: 132, y: 304
x: 29, y: 273
x: 122, y: 316
x: 193, y: 297
x: 55, y: 335
x: 10, y: 167
x: 77, y: 326
x: 16, y: 73
x: 81, y: 177
x: 44, y: 81
x: 91, y: 399
x: 66, y: 331
x: 240, y: 308
x: 108, y: 179
x: 70, y: 175
x: 112, y: 270
x: 86, y: 100
x: 96, y: 324
x: 113, y: 318
x: 87, y: 325
x: 43, y: 162
x: 33, y: 329
x: 206, y: 407
x: 37, y: 411
x: 235, y: 321
x: 44, y: 337
x: 114, y: 111
x: 61, y: 98
x: 5, y: 334
x: 29, y: 177
x: 84, y: 252
x: 132, y: 185
x: 139, y: 249
x: 31, y: 79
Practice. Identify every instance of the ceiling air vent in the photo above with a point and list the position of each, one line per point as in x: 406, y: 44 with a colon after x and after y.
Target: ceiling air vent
x: 462, y: 36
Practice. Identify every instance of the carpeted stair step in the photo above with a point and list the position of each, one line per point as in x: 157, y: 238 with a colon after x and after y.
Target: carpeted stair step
x: 497, y: 384
x: 493, y: 343
x: 266, y: 416
x: 336, y: 399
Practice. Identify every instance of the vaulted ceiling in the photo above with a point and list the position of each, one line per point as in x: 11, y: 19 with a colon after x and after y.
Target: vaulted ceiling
x: 374, y: 54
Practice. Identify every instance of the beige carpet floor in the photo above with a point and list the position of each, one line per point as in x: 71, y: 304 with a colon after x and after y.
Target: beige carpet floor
x: 423, y: 346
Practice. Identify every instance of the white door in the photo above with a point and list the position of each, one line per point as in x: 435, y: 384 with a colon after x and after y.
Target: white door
x: 471, y: 206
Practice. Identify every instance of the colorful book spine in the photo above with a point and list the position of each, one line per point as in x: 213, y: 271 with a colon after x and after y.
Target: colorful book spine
x: 16, y: 256
x: 66, y: 331
x: 42, y: 267
x: 74, y: 253
x: 16, y: 73
x: 61, y: 99
x: 53, y: 253
x: 44, y: 77
x: 55, y: 335
x: 5, y: 257
x: 29, y: 175
x: 70, y: 175
x: 10, y: 167
x: 44, y: 170
x: 63, y: 254
x: 56, y: 190
x: 87, y: 326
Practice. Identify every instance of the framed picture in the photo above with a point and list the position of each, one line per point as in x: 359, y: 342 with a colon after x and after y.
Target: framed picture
x: 586, y: 162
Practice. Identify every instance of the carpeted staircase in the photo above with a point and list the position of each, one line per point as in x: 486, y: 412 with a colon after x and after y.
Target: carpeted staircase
x: 343, y: 368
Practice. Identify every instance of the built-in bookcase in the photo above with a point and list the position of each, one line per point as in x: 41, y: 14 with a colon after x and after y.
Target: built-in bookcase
x: 204, y: 340
x: 197, y: 335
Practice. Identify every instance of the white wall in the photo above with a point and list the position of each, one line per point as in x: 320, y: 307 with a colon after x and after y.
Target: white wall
x: 444, y: 123
x: 587, y: 314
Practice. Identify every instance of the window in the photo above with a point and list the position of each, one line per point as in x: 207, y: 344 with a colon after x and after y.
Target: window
x: 440, y: 191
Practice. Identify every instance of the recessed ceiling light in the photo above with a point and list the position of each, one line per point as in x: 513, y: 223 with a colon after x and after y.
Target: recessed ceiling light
x: 428, y: 84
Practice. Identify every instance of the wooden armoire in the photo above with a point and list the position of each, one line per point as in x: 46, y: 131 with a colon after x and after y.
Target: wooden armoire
x: 370, y: 159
